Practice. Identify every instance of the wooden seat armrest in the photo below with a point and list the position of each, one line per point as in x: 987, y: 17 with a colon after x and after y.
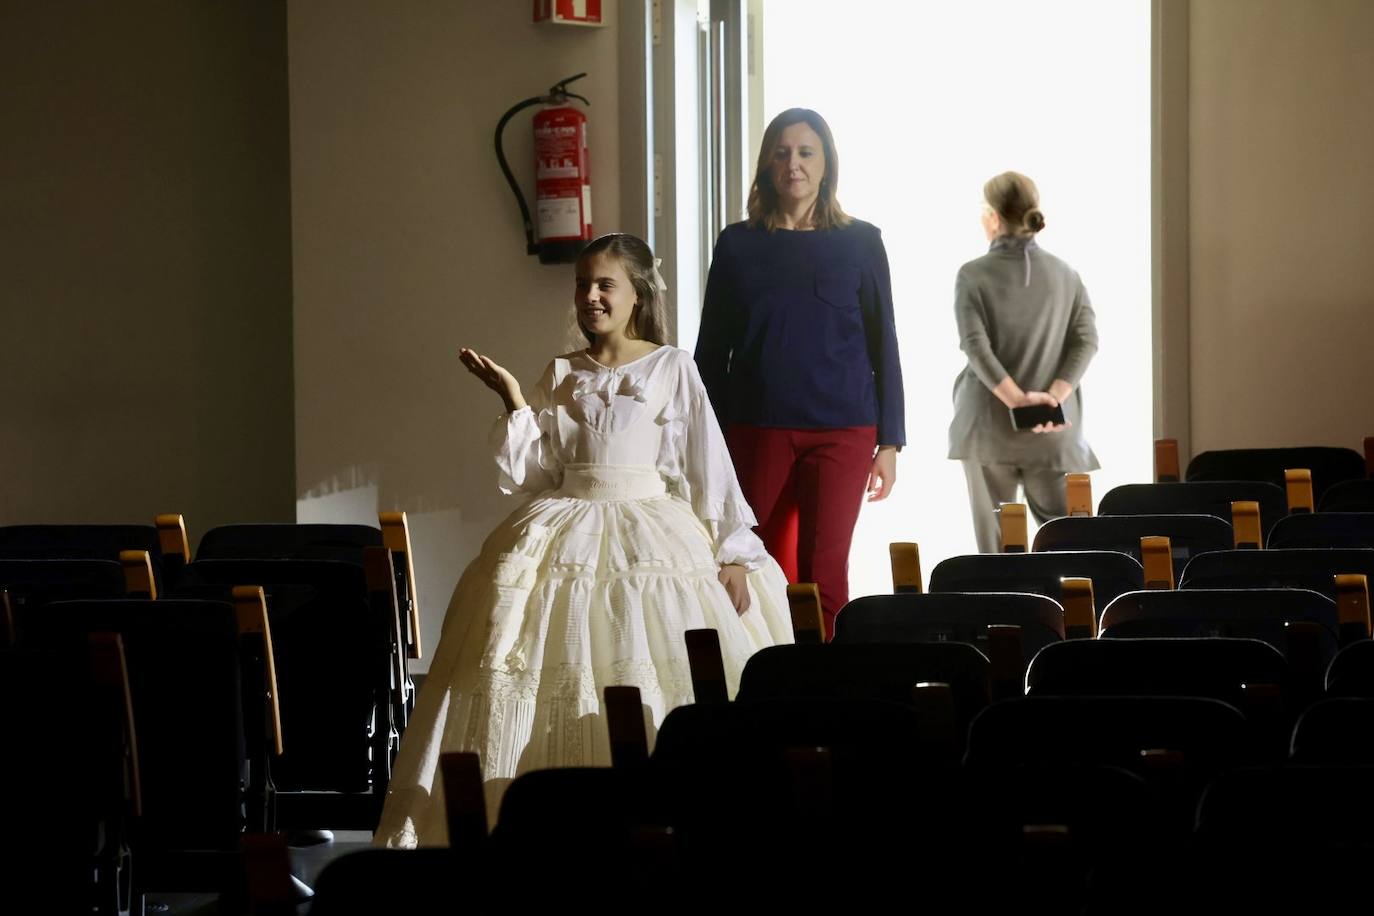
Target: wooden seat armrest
x: 808, y: 621
x: 250, y: 605
x: 905, y: 558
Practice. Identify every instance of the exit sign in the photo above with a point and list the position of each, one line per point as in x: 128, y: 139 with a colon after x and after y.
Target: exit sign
x: 568, y: 12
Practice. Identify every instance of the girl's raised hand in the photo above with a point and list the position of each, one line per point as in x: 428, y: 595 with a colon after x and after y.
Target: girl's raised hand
x: 494, y: 376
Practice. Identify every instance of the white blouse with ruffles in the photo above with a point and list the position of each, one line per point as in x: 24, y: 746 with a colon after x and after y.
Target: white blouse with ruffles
x: 584, y: 413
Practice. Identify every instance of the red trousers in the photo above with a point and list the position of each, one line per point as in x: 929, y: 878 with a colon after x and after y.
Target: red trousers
x: 806, y: 487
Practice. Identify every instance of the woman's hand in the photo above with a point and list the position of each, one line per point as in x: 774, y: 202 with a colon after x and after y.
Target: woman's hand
x: 1029, y: 398
x: 494, y: 377
x: 883, y: 474
x: 734, y: 578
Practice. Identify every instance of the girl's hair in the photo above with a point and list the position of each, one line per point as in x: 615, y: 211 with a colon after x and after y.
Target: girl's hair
x: 763, y: 197
x: 1015, y: 199
x: 649, y: 319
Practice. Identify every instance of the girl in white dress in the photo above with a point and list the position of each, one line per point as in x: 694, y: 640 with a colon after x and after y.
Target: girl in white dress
x: 636, y: 532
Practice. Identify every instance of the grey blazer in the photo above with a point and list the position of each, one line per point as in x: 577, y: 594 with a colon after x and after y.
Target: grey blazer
x: 1021, y: 312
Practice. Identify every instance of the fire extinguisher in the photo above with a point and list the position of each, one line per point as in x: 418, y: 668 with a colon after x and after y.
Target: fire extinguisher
x: 563, y: 190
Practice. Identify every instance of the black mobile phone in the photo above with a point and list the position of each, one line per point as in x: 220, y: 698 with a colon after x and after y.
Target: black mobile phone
x: 1035, y: 414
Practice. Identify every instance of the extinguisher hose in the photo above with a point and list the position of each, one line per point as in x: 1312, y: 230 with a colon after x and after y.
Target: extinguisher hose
x: 531, y: 247
x: 558, y: 93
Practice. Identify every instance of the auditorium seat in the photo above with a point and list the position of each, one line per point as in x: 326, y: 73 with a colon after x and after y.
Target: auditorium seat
x: 1260, y: 613
x: 1298, y: 568
x: 1323, y: 530
x: 1283, y: 839
x: 1195, y: 498
x: 69, y: 779
x: 1039, y: 573
x: 1329, y: 466
x: 1336, y: 732
x: 1348, y: 496
x: 950, y: 617
x: 93, y: 542
x: 333, y: 637
x: 32, y: 584
x: 342, y: 542
x: 1187, y: 534
x: 885, y: 671
x: 1177, y: 743
x: 203, y: 698
x: 1352, y: 671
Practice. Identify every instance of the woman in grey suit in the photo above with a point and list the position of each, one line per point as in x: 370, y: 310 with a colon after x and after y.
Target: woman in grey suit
x: 1028, y: 330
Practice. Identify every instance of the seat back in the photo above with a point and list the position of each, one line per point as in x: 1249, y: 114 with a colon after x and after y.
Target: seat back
x: 82, y: 542
x: 287, y: 541
x: 1196, y: 498
x: 70, y: 775
x: 1214, y: 667
x: 184, y: 679
x: 333, y: 661
x: 1039, y: 573
x: 1007, y: 628
x: 885, y: 671
x: 1329, y: 466
x: 1109, y: 731
x: 1335, y: 732
x: 1297, y: 568
x: 1348, y: 496
x: 1187, y: 534
x: 1351, y: 673
x: 1250, y: 613
x: 32, y: 584
x: 1323, y: 530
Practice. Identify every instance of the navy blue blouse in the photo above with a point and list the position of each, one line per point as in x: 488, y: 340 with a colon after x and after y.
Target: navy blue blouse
x: 797, y: 330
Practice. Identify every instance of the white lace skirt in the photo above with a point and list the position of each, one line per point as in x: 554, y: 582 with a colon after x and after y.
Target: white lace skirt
x: 587, y: 587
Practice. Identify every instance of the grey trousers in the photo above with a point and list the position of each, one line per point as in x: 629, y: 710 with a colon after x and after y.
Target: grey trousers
x: 990, y: 485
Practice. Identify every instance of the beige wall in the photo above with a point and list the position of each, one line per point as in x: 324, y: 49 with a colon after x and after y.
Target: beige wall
x: 147, y: 270
x: 1282, y: 188
x: 145, y: 263
x: 408, y: 245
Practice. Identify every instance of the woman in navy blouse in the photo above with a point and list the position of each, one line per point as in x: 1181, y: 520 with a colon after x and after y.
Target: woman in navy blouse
x: 798, y: 351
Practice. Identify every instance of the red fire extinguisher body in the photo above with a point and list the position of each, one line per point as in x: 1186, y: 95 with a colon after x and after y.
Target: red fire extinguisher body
x: 563, y: 190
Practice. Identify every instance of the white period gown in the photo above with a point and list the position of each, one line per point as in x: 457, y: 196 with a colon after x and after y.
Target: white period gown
x: 591, y: 582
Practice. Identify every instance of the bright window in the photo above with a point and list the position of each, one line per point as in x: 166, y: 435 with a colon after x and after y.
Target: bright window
x: 927, y: 102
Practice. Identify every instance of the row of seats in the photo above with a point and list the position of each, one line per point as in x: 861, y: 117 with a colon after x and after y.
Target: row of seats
x: 276, y: 705
x: 1099, y: 802
x: 1327, y: 467
x: 1256, y: 488
x: 163, y: 548
x: 1019, y: 735
x: 978, y: 722
x: 1197, y: 531
x: 1025, y: 840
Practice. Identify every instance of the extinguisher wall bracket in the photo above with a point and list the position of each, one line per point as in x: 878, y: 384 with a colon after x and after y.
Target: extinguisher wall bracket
x: 558, y: 94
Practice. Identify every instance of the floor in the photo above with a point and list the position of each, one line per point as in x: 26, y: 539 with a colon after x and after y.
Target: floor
x: 307, y: 862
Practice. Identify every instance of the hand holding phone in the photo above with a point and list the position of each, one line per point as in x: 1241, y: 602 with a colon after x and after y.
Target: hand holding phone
x: 1033, y: 415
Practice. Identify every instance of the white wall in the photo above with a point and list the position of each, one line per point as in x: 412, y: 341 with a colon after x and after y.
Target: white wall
x: 408, y: 246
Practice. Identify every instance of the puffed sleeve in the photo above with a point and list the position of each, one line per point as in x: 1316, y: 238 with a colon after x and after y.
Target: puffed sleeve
x: 706, y: 476
x: 522, y: 441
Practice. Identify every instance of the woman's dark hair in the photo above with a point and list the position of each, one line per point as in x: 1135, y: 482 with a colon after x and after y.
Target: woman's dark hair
x: 649, y: 320
x: 763, y: 197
